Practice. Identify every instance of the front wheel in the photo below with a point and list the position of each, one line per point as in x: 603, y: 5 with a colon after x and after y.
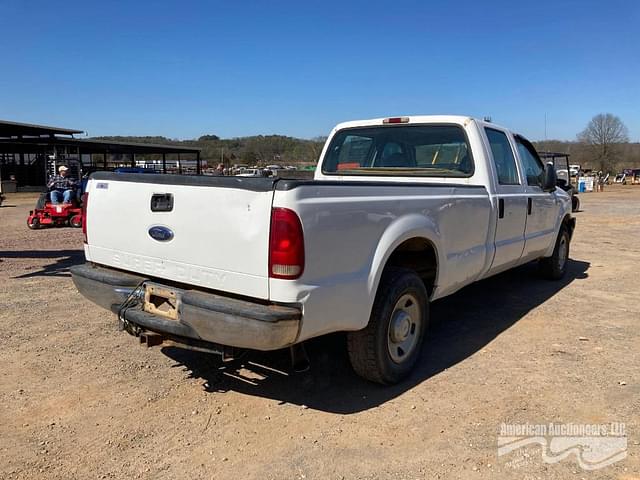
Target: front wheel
x: 388, y: 348
x: 555, y: 266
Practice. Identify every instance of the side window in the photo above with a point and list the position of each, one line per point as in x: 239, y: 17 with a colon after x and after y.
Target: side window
x: 503, y: 157
x: 532, y: 165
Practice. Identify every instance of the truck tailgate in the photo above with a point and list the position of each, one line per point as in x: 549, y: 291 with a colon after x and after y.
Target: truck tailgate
x: 214, y: 235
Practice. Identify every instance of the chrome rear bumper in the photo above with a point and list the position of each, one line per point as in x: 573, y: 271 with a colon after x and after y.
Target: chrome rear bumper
x: 202, y: 316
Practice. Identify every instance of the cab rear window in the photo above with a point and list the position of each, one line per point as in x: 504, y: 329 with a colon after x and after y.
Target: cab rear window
x: 407, y: 150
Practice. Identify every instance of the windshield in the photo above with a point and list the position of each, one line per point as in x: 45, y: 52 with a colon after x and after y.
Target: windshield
x: 419, y: 150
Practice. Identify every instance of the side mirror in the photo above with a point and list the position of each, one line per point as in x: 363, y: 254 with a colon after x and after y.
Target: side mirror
x: 550, y: 178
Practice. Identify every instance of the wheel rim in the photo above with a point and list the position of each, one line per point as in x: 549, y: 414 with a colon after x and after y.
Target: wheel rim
x: 404, y: 328
x: 563, y: 249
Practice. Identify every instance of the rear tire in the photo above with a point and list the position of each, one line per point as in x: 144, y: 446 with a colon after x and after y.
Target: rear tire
x: 387, y: 349
x: 575, y: 204
x: 76, y: 221
x: 555, y: 266
x: 34, y: 224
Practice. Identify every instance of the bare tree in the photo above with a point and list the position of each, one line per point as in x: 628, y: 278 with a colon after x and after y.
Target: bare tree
x: 605, y: 133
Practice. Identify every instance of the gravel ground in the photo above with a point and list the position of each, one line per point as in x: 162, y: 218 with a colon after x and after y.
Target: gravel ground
x: 80, y: 400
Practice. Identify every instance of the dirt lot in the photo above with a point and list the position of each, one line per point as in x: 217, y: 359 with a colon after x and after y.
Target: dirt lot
x: 80, y: 400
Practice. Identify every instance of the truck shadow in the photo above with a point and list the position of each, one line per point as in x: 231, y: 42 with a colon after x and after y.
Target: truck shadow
x: 59, y: 267
x: 468, y: 321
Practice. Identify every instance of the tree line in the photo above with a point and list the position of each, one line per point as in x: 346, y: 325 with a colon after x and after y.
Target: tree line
x: 255, y: 150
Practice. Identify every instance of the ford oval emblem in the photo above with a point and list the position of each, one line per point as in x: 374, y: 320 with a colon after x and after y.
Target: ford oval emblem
x: 160, y: 233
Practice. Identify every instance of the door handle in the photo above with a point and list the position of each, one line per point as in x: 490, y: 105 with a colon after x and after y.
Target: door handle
x: 529, y: 204
x: 501, y: 208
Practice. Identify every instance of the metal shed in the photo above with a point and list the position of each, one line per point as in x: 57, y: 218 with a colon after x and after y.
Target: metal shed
x: 30, y: 153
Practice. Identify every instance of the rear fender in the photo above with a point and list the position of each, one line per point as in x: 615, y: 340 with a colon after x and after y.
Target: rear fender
x: 403, y: 229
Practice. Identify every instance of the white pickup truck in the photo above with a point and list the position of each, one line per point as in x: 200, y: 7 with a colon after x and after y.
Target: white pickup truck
x: 402, y: 211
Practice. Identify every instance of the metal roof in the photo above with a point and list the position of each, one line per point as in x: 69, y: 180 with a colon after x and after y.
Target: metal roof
x: 110, y: 146
x: 14, y: 129
x: 91, y: 146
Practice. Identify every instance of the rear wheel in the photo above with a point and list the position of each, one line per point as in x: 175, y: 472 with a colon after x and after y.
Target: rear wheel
x: 33, y: 223
x: 575, y: 204
x: 555, y: 266
x: 76, y: 221
x: 388, y: 348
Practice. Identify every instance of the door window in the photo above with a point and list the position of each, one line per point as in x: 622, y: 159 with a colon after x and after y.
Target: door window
x: 532, y: 165
x: 503, y: 157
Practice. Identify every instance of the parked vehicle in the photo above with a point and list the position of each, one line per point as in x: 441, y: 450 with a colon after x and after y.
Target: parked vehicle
x: 575, y: 170
x: 250, y: 172
x: 633, y: 175
x: 134, y: 170
x: 402, y: 211
x: 621, y: 178
x: 564, y: 173
x: 238, y: 168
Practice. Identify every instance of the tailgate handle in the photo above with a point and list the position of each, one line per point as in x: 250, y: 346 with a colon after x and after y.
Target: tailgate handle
x: 161, y: 202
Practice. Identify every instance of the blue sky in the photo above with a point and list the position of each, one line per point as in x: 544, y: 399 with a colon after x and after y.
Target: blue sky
x: 184, y: 69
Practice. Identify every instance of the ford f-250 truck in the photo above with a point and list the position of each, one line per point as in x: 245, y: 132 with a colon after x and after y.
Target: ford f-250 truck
x: 402, y: 211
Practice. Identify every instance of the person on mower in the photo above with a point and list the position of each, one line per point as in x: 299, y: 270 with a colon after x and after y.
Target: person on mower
x: 62, y: 188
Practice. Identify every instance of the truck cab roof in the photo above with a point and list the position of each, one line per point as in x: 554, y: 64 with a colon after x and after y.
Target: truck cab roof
x: 416, y: 119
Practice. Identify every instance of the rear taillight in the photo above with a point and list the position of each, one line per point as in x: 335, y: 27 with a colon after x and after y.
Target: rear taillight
x: 85, y: 202
x: 286, y: 245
